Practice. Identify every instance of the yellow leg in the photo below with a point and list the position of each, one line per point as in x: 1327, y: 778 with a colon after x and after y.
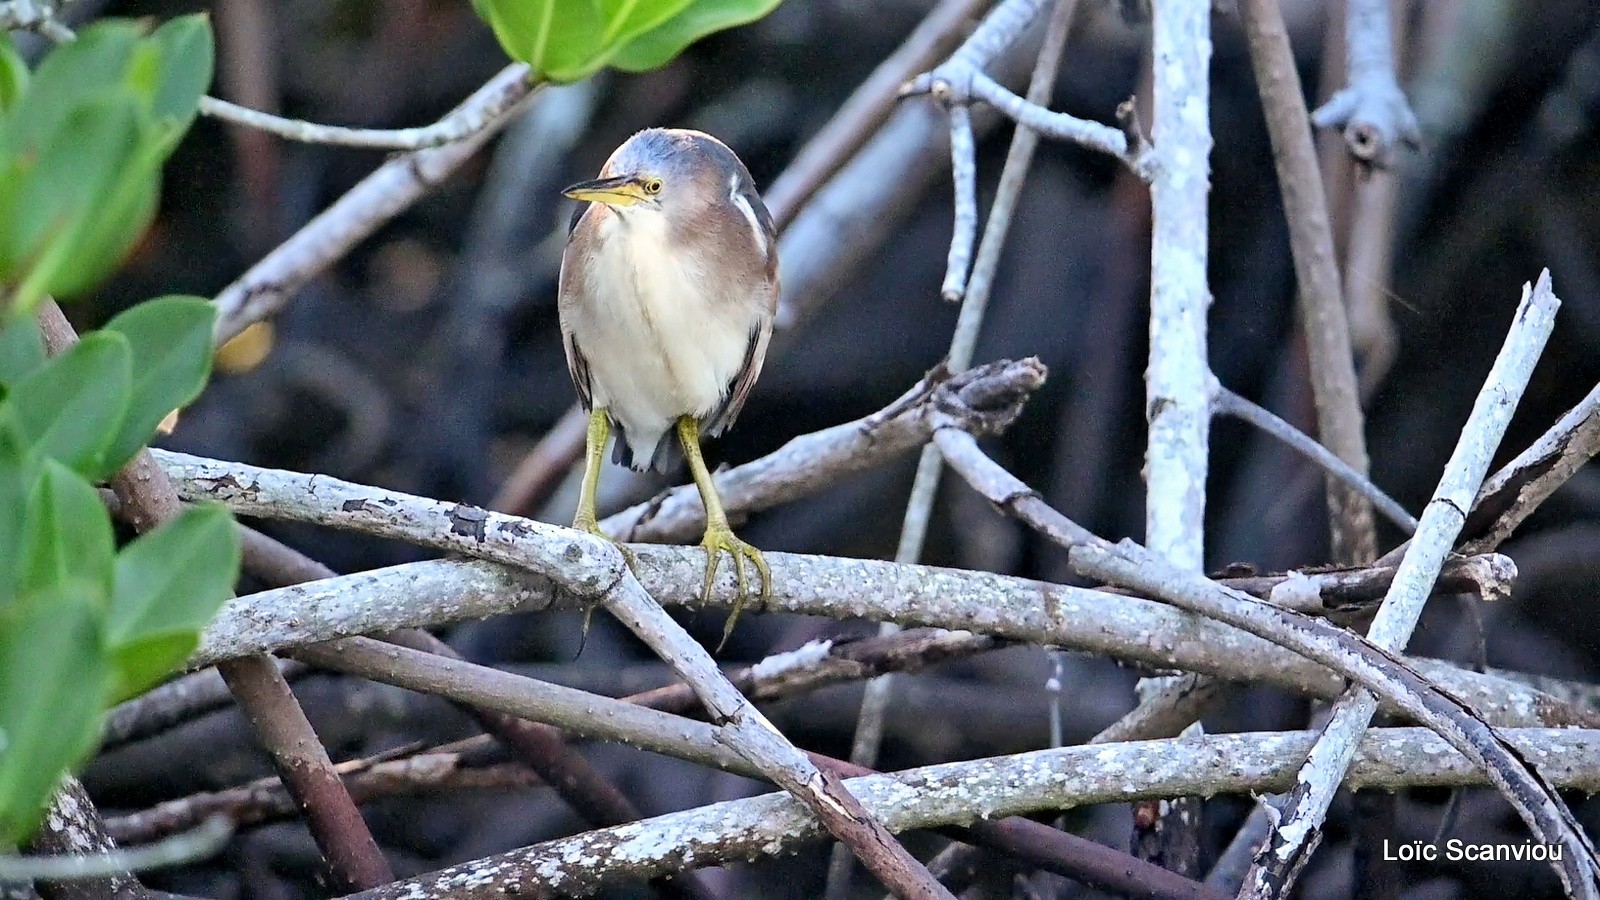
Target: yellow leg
x: 599, y: 430
x: 719, y: 536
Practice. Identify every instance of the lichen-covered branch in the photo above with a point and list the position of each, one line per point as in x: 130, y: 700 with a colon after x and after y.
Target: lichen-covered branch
x: 959, y: 792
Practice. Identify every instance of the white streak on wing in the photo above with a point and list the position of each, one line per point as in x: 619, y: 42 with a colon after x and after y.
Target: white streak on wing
x: 658, y: 346
x: 749, y: 214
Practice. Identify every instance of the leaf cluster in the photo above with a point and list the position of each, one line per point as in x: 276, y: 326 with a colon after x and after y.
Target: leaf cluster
x: 82, y: 141
x: 84, y: 624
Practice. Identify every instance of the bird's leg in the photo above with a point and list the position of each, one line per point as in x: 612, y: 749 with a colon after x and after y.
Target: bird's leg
x: 599, y: 430
x: 586, y: 520
x: 719, y: 535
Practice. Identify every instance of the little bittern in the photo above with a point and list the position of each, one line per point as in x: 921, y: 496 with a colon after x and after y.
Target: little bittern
x: 668, y: 288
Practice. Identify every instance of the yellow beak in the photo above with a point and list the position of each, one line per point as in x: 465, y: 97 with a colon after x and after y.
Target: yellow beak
x: 621, y: 191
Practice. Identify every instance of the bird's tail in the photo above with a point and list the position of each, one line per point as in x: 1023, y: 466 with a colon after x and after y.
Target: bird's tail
x: 666, y: 456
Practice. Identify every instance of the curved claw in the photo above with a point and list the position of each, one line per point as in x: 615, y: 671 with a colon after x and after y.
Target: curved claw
x: 628, y: 558
x: 716, y: 541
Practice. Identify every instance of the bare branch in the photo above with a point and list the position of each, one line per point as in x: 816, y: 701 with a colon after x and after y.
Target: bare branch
x: 266, y: 800
x: 1129, y: 628
x: 964, y: 174
x: 147, y: 499
x: 959, y: 792
x: 1514, y: 492
x: 986, y: 399
x: 1303, y: 810
x: 463, y: 122
x: 1226, y: 403
x: 1063, y: 127
x: 594, y: 570
x: 397, y: 184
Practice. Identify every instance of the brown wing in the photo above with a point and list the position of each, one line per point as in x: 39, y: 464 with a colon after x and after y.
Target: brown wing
x: 570, y: 286
x: 578, y: 368
x: 754, y: 355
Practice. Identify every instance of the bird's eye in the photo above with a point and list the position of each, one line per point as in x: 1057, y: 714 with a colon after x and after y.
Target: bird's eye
x: 653, y: 186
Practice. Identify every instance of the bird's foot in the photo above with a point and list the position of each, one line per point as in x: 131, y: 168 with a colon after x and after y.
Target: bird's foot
x: 590, y: 525
x: 721, y: 538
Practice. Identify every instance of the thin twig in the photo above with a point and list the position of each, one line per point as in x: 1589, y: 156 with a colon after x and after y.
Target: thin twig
x: 393, y: 187
x: 1226, y: 403
x: 1514, y: 492
x: 1371, y: 109
x: 958, y: 792
x: 461, y: 123
x: 265, y: 800
x: 1321, y: 300
x: 964, y: 175
x: 201, y: 842
x: 1301, y: 813
x: 1122, y: 144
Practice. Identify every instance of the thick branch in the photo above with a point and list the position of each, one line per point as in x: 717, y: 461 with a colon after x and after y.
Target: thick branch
x: 958, y: 792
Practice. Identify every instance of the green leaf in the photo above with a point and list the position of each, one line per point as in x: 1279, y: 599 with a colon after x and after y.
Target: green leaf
x: 62, y: 189
x: 659, y: 46
x: 171, y: 342
x: 71, y: 74
x: 169, y: 583
x: 53, y: 675
x: 80, y: 158
x: 66, y: 535
x: 18, y: 468
x: 187, y: 49
x: 73, y: 406
x: 140, y: 665
x: 13, y: 75
x: 564, y: 41
x: 627, y: 19
x: 21, y: 348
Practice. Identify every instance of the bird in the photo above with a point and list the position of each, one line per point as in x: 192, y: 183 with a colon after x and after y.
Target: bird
x: 666, y: 297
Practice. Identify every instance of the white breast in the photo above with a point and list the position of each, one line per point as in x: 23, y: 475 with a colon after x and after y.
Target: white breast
x: 659, y: 347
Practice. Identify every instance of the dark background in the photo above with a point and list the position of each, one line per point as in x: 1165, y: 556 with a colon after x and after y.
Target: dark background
x: 429, y: 361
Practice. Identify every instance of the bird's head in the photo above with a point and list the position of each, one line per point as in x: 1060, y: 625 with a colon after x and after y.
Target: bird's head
x: 675, y: 172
